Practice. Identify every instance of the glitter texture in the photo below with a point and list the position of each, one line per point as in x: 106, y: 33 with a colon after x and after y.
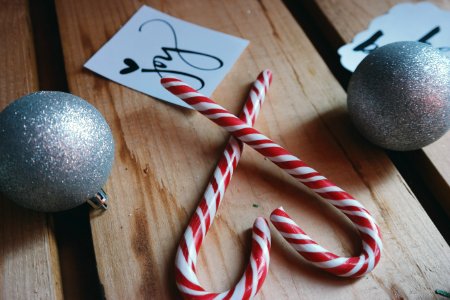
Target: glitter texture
x: 399, y: 96
x: 56, y: 151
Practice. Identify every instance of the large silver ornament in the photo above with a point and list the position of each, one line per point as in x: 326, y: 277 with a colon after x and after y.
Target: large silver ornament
x: 56, y: 151
x: 399, y: 96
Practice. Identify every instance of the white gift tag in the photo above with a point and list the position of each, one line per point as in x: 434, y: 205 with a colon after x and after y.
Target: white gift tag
x: 153, y: 44
x: 422, y: 22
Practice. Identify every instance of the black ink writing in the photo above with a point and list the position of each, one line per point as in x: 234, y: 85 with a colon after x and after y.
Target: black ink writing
x: 371, y: 45
x: 429, y: 35
x: 159, y: 62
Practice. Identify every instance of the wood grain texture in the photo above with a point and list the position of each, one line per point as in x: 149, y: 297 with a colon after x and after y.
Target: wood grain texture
x: 29, y: 267
x: 349, y: 17
x: 165, y: 155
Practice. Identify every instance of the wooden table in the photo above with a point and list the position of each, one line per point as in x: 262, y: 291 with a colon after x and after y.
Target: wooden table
x: 165, y: 155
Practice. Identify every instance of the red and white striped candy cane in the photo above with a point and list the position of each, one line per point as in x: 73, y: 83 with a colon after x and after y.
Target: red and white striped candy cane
x: 310, y: 250
x: 186, y: 259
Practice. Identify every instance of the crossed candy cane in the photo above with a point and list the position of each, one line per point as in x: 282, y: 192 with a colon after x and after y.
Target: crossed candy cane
x: 341, y: 266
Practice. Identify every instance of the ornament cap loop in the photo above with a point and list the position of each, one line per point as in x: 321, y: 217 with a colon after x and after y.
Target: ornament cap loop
x: 99, y: 201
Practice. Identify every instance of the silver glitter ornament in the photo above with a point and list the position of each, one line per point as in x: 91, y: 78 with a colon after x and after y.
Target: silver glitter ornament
x: 399, y: 96
x: 56, y: 151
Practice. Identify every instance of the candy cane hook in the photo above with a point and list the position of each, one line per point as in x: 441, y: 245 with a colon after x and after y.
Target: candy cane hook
x: 186, y: 259
x: 309, y: 249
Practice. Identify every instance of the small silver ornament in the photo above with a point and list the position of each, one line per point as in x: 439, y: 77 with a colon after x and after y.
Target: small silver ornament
x: 56, y: 152
x: 399, y: 96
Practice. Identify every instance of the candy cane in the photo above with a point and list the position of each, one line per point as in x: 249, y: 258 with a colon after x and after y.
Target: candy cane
x: 309, y: 249
x: 186, y: 259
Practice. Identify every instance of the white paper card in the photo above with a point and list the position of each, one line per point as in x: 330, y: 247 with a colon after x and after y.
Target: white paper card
x: 152, y: 45
x: 422, y: 22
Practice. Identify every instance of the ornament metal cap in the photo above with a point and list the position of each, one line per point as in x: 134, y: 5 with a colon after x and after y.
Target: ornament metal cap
x: 99, y: 201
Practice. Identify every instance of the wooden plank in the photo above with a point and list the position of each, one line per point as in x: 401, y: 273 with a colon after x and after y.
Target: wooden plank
x: 29, y: 267
x: 165, y: 155
x: 350, y: 17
